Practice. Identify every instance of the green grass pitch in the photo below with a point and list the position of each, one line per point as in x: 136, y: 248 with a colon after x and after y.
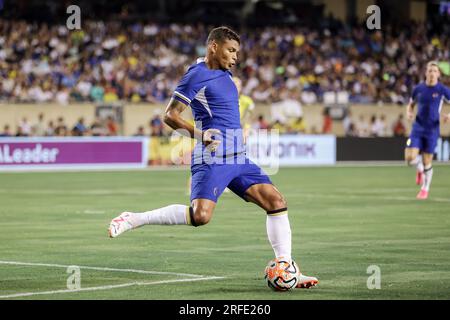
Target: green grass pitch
x: 343, y: 220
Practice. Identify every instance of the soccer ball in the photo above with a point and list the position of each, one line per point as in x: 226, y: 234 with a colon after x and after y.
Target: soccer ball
x: 281, y: 274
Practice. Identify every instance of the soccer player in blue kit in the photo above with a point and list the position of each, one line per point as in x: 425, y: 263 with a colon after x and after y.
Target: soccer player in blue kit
x: 219, y: 160
x: 425, y: 132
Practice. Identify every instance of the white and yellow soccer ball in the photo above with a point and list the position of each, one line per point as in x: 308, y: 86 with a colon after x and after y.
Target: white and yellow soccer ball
x: 282, y: 274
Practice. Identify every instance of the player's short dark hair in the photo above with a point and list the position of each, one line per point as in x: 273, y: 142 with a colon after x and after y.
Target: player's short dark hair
x: 433, y: 63
x: 221, y: 34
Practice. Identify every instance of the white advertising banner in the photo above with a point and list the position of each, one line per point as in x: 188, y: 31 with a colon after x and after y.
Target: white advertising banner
x: 292, y: 150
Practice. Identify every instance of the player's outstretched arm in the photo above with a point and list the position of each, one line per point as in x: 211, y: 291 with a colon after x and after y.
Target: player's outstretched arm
x: 174, y: 120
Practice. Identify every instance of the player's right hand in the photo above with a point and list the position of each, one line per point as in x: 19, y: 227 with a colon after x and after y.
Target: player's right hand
x: 410, y: 115
x: 209, y: 141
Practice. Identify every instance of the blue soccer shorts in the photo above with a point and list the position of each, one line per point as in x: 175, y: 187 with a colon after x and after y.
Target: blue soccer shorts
x: 424, y: 142
x: 210, y: 180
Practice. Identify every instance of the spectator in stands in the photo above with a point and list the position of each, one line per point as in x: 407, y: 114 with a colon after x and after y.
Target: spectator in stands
x: 261, y: 123
x: 382, y: 128
x: 79, y: 129
x: 347, y: 123
x: 351, y: 131
x: 24, y: 128
x: 50, y: 131
x: 96, y: 93
x: 6, y: 131
x: 156, y: 126
x: 297, y: 126
x: 370, y: 68
x: 362, y: 127
x: 62, y: 96
x: 277, y: 125
x: 112, y: 126
x: 19, y: 132
x: 399, y: 129
x: 374, y: 129
x: 140, y: 132
x: 327, y: 121
x: 97, y: 128
x: 308, y: 97
x: 110, y: 94
x: 286, y: 107
x: 39, y: 126
x: 61, y: 128
x: 377, y: 126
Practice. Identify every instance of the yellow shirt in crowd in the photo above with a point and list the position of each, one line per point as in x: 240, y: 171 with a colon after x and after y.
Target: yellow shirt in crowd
x: 246, y: 106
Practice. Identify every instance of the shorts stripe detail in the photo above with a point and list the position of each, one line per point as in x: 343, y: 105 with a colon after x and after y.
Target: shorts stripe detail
x: 277, y: 212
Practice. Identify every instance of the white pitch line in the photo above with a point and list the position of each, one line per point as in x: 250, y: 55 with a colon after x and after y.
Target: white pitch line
x: 27, y: 294
x: 100, y: 268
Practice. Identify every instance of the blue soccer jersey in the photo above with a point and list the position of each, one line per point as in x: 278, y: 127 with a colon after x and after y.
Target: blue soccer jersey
x: 429, y: 100
x: 425, y: 131
x: 214, y: 100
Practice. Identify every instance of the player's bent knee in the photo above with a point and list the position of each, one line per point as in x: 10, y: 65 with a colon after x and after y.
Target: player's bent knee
x: 276, y: 203
x: 201, y: 217
x: 410, y: 159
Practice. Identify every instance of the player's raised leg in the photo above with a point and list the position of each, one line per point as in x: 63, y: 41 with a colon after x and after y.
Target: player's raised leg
x: 278, y: 227
x: 413, y: 158
x: 199, y: 213
x: 428, y: 175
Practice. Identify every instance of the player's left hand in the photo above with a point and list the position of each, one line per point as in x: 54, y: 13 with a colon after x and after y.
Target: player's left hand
x: 409, y: 115
x: 209, y: 141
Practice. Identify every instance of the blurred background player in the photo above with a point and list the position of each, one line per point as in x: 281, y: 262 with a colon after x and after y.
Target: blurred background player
x: 207, y: 88
x: 246, y: 108
x: 425, y: 132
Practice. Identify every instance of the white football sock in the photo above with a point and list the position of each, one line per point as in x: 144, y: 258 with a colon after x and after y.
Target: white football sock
x: 279, y: 234
x: 170, y: 215
x: 428, y: 171
x: 417, y: 162
x: 419, y: 166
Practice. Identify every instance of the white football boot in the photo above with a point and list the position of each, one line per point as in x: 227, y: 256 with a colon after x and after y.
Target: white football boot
x: 119, y: 225
x: 306, y: 282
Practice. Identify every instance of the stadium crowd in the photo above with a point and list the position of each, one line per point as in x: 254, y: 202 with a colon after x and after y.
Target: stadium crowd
x: 376, y: 126
x: 59, y: 128
x: 286, y: 67
x: 142, y: 62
